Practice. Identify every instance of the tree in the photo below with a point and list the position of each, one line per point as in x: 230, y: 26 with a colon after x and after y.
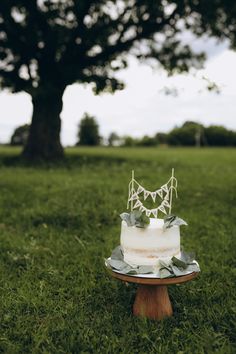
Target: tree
x: 220, y: 136
x: 46, y: 45
x: 147, y: 141
x: 88, y: 131
x: 161, y: 138
x: 113, y: 139
x: 20, y: 135
x: 190, y: 134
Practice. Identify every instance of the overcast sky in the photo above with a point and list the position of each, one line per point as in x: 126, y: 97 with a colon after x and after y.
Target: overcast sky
x: 142, y: 107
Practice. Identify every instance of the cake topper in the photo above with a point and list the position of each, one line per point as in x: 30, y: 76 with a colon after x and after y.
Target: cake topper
x: 165, y: 192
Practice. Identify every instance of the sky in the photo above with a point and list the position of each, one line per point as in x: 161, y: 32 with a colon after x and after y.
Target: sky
x: 142, y: 107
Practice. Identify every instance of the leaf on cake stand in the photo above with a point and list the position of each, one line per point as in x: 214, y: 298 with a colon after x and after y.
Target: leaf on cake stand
x: 117, y: 254
x: 165, y: 273
x: 145, y: 269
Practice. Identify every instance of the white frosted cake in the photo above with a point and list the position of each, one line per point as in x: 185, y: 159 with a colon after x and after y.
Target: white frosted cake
x: 144, y: 246
x: 146, y: 240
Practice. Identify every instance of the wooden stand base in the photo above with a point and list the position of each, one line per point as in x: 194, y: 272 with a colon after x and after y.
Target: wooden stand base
x: 152, y: 301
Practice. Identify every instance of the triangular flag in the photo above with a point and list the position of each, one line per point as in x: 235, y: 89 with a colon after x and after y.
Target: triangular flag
x: 160, y: 193
x: 148, y: 212
x: 142, y: 208
x: 133, y: 196
x: 154, y: 212
x: 140, y: 189
x: 167, y: 196
x: 165, y: 188
x: 146, y: 194
x: 153, y: 195
x: 166, y: 203
x: 161, y: 208
x: 137, y: 204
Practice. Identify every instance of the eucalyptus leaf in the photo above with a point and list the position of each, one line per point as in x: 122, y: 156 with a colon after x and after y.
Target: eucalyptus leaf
x: 177, y: 272
x: 132, y: 272
x: 165, y: 273
x: 193, y: 268
x: 179, y: 263
x: 117, y: 254
x: 145, y: 269
x: 126, y: 218
x: 188, y: 258
x: 173, y: 220
x: 119, y: 265
x: 164, y: 264
x: 135, y: 218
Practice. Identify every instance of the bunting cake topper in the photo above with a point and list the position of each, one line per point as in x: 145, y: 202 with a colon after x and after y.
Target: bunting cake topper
x: 164, y: 193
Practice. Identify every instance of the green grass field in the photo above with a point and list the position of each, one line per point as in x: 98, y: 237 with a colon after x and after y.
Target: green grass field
x: 59, y: 222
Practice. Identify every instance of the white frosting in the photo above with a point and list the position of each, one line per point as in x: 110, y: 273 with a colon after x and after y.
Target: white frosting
x: 145, y: 246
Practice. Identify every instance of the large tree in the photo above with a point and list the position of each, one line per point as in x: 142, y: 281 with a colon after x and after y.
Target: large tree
x: 46, y: 45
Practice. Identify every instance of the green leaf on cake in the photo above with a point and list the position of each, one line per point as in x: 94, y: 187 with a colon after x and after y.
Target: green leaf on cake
x: 173, y: 220
x: 135, y: 218
x: 126, y: 218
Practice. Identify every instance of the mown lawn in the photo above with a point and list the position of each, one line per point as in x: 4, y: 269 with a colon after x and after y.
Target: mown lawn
x: 58, y: 222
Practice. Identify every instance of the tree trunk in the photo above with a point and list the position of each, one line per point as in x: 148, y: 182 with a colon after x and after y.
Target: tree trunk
x: 44, y: 136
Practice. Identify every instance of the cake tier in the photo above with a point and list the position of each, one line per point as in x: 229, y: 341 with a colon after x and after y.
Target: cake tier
x: 144, y: 246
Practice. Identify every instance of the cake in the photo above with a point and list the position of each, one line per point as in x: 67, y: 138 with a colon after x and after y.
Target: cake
x: 144, y: 246
x: 144, y: 239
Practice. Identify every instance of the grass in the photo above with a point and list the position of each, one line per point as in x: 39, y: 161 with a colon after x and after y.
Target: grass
x: 58, y: 222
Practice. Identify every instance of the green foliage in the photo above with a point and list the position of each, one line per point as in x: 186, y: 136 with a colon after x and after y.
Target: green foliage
x: 187, y: 135
x: 128, y: 141
x: 175, y: 267
x: 52, y: 44
x: 113, y: 139
x: 135, y: 218
x: 88, y: 131
x: 20, y: 135
x: 172, y: 220
x: 59, y: 222
x: 47, y: 45
x: 219, y: 136
x: 195, y: 134
x: 161, y: 138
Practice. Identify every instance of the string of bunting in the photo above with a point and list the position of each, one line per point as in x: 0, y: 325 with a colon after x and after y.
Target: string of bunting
x: 164, y: 192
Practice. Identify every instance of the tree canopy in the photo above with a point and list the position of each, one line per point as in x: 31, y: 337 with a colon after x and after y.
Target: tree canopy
x: 20, y: 135
x: 88, y: 133
x: 46, y: 45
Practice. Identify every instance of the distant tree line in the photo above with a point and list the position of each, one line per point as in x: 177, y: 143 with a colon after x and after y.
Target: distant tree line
x: 189, y: 134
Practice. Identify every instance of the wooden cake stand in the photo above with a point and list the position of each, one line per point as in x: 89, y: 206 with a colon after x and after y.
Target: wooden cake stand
x: 152, y: 299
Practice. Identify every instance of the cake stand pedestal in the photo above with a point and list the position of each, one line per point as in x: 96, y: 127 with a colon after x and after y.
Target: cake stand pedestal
x: 152, y: 299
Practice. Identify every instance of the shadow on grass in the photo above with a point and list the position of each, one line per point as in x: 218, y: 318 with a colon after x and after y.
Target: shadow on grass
x: 69, y: 161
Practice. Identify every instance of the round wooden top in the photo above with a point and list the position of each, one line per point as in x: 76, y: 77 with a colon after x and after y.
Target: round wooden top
x: 154, y: 281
